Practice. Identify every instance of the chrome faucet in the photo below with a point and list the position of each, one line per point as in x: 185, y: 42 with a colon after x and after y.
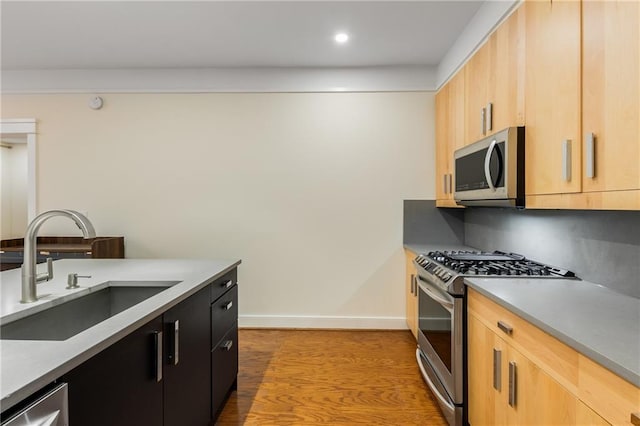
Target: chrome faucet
x: 30, y: 276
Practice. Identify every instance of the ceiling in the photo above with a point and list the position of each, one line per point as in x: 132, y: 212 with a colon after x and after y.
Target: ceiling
x: 208, y: 34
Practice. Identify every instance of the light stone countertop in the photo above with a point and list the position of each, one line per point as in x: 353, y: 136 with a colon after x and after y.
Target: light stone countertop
x: 597, y: 322
x: 28, y: 365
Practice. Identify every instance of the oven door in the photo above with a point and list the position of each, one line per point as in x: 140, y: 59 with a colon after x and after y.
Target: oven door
x: 440, y: 340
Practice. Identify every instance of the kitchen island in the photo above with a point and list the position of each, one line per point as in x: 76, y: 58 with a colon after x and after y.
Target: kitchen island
x: 28, y: 365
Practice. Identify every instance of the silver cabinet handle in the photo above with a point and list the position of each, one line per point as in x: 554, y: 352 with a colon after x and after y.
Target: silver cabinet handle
x: 228, y: 305
x: 489, y: 116
x: 227, y: 284
x: 445, y: 189
x: 512, y: 383
x: 227, y: 345
x: 497, y: 370
x: 450, y: 183
x: 589, y: 155
x: 483, y: 122
x: 413, y: 282
x: 174, y: 356
x: 487, y: 164
x: 505, y: 327
x: 157, y: 359
x: 566, y: 160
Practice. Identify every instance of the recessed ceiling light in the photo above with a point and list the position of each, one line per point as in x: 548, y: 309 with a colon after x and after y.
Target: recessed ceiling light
x: 341, y: 38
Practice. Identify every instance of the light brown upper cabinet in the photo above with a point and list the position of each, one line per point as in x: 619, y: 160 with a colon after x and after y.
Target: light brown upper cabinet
x: 569, y: 71
x: 610, y: 95
x: 494, y: 81
x: 582, y: 102
x: 450, y: 124
x: 552, y: 97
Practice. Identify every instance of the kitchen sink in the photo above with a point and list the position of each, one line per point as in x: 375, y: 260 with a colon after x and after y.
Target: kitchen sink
x: 70, y: 318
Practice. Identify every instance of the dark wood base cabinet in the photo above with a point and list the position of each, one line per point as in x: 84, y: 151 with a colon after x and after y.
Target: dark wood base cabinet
x: 118, y: 386
x: 224, y: 346
x: 124, y: 384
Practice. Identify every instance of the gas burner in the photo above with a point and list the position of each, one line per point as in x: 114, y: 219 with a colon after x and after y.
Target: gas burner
x: 497, y: 263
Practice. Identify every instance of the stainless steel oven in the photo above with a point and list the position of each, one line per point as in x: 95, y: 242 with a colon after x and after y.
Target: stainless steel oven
x: 442, y: 335
x: 440, y: 347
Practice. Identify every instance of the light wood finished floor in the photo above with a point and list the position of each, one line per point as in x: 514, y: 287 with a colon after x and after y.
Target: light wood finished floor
x: 300, y: 377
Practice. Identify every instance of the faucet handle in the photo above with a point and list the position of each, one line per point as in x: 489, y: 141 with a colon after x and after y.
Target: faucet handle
x: 46, y: 276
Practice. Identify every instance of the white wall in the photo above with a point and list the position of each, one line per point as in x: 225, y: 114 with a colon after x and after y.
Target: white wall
x: 305, y: 188
x: 13, y: 191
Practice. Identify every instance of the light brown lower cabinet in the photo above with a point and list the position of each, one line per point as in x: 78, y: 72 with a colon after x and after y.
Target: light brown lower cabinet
x: 519, y: 375
x: 506, y: 388
x: 411, y: 293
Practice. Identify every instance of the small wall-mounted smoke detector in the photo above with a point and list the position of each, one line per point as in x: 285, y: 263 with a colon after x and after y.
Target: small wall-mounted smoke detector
x: 95, y: 102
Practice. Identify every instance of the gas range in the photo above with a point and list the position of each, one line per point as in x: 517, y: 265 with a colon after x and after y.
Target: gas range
x: 447, y: 269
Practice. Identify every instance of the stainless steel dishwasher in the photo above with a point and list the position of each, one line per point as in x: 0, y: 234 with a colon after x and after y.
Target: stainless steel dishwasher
x: 51, y: 409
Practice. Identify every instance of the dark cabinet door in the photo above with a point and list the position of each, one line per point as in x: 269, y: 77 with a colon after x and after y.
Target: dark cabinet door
x: 119, y: 386
x: 224, y: 364
x: 187, y: 372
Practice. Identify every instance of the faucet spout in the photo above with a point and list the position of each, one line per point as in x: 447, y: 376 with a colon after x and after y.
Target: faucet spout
x: 30, y: 277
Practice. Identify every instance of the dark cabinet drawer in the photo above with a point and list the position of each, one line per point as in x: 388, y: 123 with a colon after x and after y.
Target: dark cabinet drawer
x: 221, y: 285
x: 224, y: 315
x: 224, y: 370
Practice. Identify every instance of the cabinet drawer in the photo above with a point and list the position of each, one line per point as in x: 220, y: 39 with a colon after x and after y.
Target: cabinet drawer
x: 222, y: 284
x: 224, y: 314
x: 224, y: 370
x: 557, y: 359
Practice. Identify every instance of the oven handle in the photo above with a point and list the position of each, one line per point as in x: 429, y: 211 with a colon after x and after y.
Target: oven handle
x: 433, y: 387
x: 427, y: 288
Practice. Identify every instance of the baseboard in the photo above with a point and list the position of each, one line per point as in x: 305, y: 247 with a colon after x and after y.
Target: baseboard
x: 324, y: 322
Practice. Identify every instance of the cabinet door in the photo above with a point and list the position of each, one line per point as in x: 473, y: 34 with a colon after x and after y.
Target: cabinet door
x: 411, y: 293
x: 552, y: 97
x: 532, y: 396
x: 187, y: 371
x: 495, y: 75
x: 224, y: 370
x: 119, y: 385
x: 507, y: 73
x: 442, y: 144
x: 486, y: 356
x: 449, y: 136
x: 611, y: 95
x: 476, y: 96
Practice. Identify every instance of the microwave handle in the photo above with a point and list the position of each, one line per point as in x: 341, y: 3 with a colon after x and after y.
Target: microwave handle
x: 487, y: 163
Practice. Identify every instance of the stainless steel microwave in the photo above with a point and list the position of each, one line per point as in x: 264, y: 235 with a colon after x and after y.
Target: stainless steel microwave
x: 490, y: 172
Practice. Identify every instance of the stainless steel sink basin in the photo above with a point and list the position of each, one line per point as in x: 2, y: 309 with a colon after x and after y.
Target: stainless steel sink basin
x: 70, y: 318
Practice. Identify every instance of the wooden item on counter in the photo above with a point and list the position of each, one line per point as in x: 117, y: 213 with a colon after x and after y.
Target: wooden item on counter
x: 61, y: 248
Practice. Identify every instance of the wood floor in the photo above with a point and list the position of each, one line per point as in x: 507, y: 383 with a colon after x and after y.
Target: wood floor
x: 299, y: 377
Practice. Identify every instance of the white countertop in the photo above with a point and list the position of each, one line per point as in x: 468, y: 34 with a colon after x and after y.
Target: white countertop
x: 28, y: 365
x: 592, y: 319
